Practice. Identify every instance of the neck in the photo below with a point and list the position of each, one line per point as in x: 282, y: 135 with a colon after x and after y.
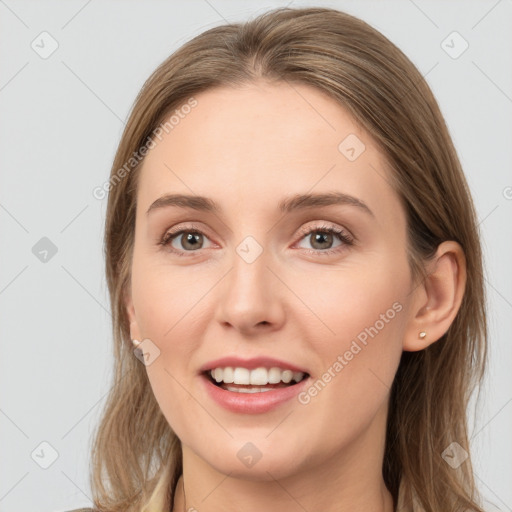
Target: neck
x: 241, y: 497
x: 347, y: 480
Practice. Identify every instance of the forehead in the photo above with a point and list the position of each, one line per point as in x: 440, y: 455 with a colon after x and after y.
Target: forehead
x: 250, y: 146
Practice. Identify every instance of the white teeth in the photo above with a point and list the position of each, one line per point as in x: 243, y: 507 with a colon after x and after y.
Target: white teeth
x: 287, y: 376
x: 241, y: 375
x: 258, y: 376
x: 217, y: 374
x: 274, y: 376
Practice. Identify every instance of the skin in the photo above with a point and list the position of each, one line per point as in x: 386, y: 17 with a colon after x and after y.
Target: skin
x: 248, y: 148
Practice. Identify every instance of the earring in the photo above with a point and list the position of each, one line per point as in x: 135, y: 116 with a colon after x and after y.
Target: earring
x: 136, y: 343
x: 422, y: 334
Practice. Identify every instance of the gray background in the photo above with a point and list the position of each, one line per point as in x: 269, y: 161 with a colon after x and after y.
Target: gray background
x: 61, y: 119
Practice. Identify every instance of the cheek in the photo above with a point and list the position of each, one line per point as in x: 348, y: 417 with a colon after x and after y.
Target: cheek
x: 166, y: 299
x: 358, y: 325
x: 168, y: 304
x: 348, y: 300
x: 167, y: 316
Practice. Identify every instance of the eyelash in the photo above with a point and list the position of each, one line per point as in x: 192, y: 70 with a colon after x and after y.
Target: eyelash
x: 342, y: 235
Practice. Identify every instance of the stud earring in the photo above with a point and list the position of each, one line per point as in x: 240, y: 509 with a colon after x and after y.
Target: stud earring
x: 136, y: 343
x: 422, y: 334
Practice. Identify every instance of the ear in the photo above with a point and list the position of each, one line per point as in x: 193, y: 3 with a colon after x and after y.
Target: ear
x: 437, y: 298
x: 130, y: 310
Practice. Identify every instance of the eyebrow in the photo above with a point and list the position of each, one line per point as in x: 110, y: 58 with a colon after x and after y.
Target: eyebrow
x: 287, y: 205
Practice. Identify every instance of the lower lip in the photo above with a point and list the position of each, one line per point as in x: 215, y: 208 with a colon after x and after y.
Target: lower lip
x: 252, y: 403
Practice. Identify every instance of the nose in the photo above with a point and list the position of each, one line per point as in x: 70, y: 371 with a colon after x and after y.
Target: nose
x: 251, y: 296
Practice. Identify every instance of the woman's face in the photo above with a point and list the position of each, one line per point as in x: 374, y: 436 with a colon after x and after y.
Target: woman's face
x: 253, y: 282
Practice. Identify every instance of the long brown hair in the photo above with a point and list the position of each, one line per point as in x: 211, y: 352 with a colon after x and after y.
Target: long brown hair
x: 361, y: 69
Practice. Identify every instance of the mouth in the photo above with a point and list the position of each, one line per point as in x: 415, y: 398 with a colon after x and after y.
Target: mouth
x: 255, y: 388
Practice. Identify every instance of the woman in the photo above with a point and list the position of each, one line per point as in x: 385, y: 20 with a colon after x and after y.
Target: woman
x: 291, y: 247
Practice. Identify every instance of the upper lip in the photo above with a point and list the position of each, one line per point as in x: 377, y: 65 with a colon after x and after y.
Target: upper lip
x: 254, y: 362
